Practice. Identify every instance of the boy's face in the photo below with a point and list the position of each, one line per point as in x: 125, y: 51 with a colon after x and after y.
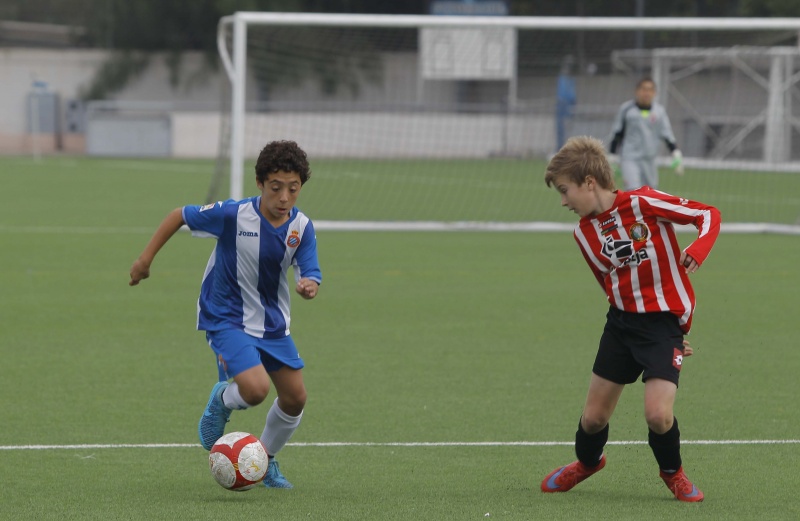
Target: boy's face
x: 278, y: 195
x: 645, y: 93
x: 581, y: 199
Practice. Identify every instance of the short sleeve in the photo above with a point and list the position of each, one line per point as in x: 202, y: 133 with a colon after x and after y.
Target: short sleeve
x: 306, y: 257
x: 207, y: 220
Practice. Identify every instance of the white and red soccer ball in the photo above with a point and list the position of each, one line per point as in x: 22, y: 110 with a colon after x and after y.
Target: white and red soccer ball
x: 238, y: 461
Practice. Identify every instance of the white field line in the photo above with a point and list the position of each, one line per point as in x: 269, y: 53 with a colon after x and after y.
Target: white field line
x: 403, y: 226
x: 76, y: 230
x: 394, y: 444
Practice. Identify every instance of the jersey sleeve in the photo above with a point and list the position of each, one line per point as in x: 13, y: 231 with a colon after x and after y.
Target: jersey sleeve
x: 619, y: 119
x: 705, y: 218
x: 666, y: 132
x: 205, y: 221
x: 594, y: 265
x: 618, y: 128
x: 306, y: 263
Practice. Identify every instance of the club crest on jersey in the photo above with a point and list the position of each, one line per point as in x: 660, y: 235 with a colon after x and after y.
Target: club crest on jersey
x: 648, y: 115
x: 677, y: 358
x: 293, y: 240
x: 639, y: 232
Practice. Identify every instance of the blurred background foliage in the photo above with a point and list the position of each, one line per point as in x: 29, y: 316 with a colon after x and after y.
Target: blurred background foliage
x: 146, y: 25
x: 133, y: 30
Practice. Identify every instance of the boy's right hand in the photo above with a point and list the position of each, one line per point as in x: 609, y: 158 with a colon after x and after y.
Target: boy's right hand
x: 139, y: 271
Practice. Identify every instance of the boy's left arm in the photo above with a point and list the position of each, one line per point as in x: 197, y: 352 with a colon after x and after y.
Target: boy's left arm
x: 306, y: 265
x: 705, y: 218
x: 669, y: 138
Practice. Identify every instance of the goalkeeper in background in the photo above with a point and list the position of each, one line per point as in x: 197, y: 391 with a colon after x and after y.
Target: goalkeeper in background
x: 640, y: 126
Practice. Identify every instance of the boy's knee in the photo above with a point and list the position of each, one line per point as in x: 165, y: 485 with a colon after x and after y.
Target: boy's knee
x: 593, y: 423
x: 254, y: 394
x: 294, y: 403
x: 659, y: 421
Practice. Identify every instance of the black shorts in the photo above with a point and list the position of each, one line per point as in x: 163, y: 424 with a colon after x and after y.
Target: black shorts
x: 633, y: 344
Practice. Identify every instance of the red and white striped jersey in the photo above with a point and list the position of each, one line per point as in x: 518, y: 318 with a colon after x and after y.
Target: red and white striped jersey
x: 634, y: 254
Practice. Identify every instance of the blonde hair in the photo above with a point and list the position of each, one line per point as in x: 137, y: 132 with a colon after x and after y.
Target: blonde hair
x: 579, y: 158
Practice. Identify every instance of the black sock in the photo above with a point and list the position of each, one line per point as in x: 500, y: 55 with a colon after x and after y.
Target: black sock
x: 589, y: 447
x: 667, y: 447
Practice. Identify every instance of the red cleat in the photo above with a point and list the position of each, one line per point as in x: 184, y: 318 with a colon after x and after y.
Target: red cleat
x: 680, y: 485
x: 564, y: 478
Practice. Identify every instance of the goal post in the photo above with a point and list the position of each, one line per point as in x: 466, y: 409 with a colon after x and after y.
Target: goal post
x: 389, y: 103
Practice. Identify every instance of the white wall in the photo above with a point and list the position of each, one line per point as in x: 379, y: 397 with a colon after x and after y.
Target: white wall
x: 195, y: 123
x: 341, y: 134
x: 69, y: 71
x: 65, y: 72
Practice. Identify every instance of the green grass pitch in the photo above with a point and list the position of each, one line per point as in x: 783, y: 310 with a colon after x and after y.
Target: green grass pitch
x: 429, y: 338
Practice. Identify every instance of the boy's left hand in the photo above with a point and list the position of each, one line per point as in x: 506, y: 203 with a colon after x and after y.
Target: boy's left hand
x: 306, y: 288
x: 677, y: 162
x: 688, y: 262
x: 687, y: 349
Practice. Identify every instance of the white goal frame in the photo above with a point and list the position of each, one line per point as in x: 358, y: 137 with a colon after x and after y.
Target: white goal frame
x: 235, y: 59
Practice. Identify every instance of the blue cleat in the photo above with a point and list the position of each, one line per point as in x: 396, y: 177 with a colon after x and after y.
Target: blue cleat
x: 212, y: 422
x: 274, y: 478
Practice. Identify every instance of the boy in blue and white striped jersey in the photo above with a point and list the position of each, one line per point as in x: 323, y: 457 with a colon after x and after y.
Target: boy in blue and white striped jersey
x: 244, y: 304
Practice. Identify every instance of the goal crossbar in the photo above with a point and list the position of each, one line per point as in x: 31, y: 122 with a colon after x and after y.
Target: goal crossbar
x: 232, y: 38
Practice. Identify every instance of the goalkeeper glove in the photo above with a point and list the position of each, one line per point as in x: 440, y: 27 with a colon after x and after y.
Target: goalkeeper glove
x: 617, y: 173
x: 613, y: 160
x: 677, y: 162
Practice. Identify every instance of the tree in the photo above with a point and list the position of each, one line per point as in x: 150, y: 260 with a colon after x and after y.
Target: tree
x: 770, y: 8
x: 135, y: 30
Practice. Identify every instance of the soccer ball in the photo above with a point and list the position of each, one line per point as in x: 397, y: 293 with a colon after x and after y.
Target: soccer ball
x: 238, y: 461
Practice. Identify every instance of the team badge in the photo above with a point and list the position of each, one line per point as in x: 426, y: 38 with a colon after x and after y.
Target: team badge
x: 207, y: 207
x: 639, y: 232
x: 293, y: 240
x: 677, y: 358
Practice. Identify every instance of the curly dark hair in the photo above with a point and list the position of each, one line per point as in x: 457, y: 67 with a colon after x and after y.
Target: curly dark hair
x: 282, y: 156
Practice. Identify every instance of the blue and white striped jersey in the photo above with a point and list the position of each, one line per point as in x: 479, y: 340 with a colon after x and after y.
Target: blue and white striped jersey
x: 245, y: 285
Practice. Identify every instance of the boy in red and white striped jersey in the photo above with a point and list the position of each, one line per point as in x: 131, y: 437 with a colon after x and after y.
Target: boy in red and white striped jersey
x: 629, y: 243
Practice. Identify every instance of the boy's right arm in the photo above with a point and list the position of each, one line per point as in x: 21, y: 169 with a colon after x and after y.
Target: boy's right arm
x: 618, y: 130
x: 141, y: 266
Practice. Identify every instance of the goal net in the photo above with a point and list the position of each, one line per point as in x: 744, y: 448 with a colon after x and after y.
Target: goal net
x: 447, y: 122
